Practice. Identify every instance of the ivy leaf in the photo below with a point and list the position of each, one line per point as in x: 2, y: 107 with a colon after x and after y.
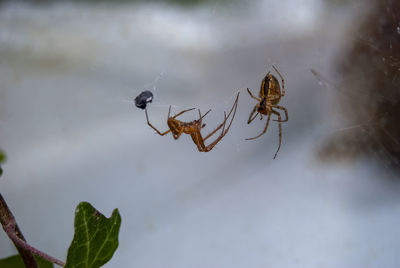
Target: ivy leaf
x: 95, y: 239
x: 17, y: 262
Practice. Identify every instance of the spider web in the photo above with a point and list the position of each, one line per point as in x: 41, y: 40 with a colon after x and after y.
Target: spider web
x: 368, y: 83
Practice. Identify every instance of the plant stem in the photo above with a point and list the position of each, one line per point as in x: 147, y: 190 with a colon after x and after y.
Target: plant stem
x: 6, y: 217
x: 10, y: 231
x: 25, y: 250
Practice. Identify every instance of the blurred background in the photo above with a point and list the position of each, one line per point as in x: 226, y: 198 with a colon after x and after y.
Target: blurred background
x: 69, y: 72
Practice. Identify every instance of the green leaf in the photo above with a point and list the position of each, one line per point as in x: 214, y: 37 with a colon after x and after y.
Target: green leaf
x: 2, y: 156
x: 95, y: 239
x: 16, y: 262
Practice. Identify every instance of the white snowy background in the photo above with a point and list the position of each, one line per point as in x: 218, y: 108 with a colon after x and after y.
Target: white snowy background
x: 69, y: 73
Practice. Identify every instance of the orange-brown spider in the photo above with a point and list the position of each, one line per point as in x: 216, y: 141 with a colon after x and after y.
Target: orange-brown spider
x: 193, y: 128
x: 269, y: 96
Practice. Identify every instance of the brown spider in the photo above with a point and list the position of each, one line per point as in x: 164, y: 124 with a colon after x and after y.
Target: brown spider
x: 269, y: 97
x: 193, y: 128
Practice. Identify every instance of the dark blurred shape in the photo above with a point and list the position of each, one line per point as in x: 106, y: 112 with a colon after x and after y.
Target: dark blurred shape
x: 116, y: 2
x: 370, y: 89
x: 143, y: 98
x: 2, y: 156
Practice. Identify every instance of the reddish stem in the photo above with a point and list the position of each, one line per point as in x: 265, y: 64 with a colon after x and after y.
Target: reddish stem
x: 10, y: 230
x: 10, y: 226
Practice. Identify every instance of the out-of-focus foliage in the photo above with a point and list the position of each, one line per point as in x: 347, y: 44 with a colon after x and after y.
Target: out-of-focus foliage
x: 17, y: 262
x: 2, y: 157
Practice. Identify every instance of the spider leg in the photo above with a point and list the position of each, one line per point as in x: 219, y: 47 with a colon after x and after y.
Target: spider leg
x: 283, y: 109
x: 201, y: 117
x: 158, y: 132
x: 198, y: 141
x: 265, y: 129
x: 224, y: 131
x: 251, y: 114
x: 211, y: 145
x: 280, y: 131
x: 184, y: 111
x: 223, y: 126
x: 251, y: 95
x: 283, y: 80
x: 229, y: 114
x: 215, y: 130
x: 225, y: 119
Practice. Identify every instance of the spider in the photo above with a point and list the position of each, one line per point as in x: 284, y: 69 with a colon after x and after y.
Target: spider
x: 269, y: 96
x: 193, y: 128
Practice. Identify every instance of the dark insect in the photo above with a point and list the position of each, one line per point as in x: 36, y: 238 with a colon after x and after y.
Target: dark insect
x: 268, y: 98
x: 143, y: 98
x: 193, y: 128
